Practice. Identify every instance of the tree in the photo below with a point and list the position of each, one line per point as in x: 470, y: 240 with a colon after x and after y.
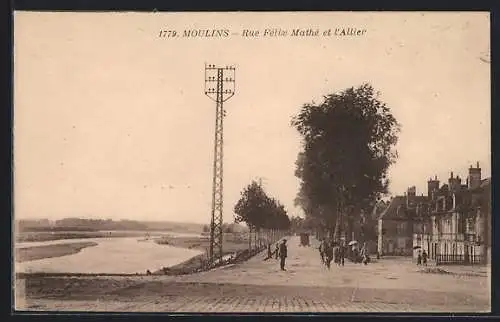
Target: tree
x: 296, y: 223
x: 348, y: 146
x: 259, y: 211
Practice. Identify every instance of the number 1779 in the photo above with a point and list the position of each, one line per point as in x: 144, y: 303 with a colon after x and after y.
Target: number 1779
x: 167, y: 33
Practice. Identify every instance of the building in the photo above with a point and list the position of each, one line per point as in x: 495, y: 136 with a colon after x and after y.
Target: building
x: 458, y: 217
x: 399, y: 221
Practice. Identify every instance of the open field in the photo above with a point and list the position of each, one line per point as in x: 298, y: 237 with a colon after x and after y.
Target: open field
x: 50, y: 251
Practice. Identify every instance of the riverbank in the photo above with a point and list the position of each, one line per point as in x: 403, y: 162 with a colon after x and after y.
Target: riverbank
x: 167, y: 254
x: 235, y: 249
x: 50, y: 251
x: 233, y: 242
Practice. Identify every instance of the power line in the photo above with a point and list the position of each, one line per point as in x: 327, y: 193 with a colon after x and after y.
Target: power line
x: 219, y: 86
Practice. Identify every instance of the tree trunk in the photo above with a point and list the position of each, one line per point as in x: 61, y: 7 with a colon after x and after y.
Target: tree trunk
x: 338, y: 226
x: 255, y: 237
x: 250, y: 238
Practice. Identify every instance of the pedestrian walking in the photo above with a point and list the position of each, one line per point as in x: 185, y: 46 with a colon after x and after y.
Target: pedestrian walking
x: 283, y: 254
x: 342, y: 251
x: 336, y: 254
x: 269, y: 252
x: 321, y: 249
x: 419, y: 258
x: 364, y: 255
x: 424, y: 258
x: 329, y: 254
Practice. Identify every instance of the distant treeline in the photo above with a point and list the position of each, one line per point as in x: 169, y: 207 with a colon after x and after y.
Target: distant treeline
x: 80, y: 224
x: 228, y: 228
x: 49, y: 229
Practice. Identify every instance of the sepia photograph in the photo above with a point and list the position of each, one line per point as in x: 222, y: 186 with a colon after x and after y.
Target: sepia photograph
x: 282, y: 162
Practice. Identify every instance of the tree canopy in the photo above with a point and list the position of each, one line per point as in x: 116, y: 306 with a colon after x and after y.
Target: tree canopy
x: 258, y: 210
x: 348, y: 146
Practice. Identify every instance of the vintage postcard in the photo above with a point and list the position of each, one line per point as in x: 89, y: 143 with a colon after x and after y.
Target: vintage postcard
x: 252, y: 162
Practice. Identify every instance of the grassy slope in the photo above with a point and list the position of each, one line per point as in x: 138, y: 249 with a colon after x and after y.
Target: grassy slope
x: 233, y: 243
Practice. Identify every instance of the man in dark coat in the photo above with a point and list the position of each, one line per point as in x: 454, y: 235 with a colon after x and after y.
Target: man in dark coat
x: 424, y: 258
x: 283, y: 254
x: 322, y: 251
x: 329, y: 254
x: 342, y: 252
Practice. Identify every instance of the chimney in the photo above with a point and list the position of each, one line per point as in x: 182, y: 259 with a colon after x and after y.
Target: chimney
x: 454, y: 183
x: 474, y: 176
x: 432, y: 187
x: 412, y: 191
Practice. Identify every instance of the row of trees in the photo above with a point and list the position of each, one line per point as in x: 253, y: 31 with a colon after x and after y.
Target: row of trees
x: 347, y: 147
x: 265, y: 216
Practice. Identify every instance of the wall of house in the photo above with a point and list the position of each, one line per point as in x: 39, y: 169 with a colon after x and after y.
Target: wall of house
x: 397, y: 239
x: 449, y: 237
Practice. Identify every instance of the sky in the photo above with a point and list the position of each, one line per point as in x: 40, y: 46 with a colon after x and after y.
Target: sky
x: 110, y: 121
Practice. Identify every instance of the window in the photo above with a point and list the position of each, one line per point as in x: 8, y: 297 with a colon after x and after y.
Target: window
x: 401, y: 228
x: 447, y: 226
x: 471, y: 225
x: 460, y: 224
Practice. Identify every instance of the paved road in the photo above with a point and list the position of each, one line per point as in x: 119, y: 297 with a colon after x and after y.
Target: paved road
x: 390, y: 285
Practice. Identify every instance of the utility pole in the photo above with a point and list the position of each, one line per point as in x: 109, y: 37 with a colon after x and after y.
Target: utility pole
x: 219, y: 86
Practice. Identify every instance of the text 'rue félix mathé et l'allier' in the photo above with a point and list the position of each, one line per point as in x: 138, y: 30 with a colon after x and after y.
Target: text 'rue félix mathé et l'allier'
x: 263, y: 33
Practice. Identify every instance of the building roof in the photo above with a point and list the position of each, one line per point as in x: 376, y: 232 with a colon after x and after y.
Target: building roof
x: 378, y: 208
x: 418, y: 199
x: 393, y: 210
x: 485, y: 183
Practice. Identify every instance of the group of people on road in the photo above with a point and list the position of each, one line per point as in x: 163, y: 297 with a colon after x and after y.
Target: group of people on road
x: 280, y: 252
x: 422, y: 258
x: 330, y: 251
x: 337, y: 251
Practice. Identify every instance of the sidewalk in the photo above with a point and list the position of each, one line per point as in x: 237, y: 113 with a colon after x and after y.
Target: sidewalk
x: 391, y: 285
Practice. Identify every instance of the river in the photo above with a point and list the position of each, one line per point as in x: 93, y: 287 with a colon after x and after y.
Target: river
x: 115, y: 255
